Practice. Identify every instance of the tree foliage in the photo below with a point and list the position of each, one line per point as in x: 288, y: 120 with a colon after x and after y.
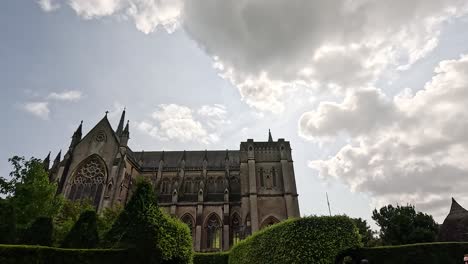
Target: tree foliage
x: 39, y: 233
x: 67, y: 217
x: 84, y: 233
x: 29, y: 191
x: 367, y: 234
x: 155, y: 236
x: 107, y: 218
x: 403, y: 225
x: 7, y: 222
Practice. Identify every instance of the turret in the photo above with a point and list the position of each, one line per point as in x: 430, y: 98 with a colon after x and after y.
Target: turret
x: 120, y: 127
x: 46, y: 162
x: 125, y: 136
x: 76, y: 138
x: 270, y: 138
x: 57, y: 159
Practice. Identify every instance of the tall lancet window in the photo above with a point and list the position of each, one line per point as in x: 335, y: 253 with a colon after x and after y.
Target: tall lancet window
x: 88, y: 180
x: 235, y: 229
x: 213, y: 233
x: 188, y: 220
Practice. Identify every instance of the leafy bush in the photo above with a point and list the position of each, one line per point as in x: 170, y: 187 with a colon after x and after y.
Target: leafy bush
x: 424, y: 253
x: 155, y: 236
x: 7, y: 222
x: 211, y: 258
x: 67, y: 217
x: 39, y: 233
x: 84, y: 233
x: 307, y: 240
x: 20, y: 254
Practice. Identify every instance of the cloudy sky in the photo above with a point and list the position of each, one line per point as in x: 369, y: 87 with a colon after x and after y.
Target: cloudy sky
x: 372, y: 94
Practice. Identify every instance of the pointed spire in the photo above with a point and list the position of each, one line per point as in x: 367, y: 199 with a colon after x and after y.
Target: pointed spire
x: 77, y: 135
x: 58, y: 157
x: 456, y: 208
x: 270, y: 138
x: 120, y: 127
x: 162, y: 156
x: 206, y: 155
x: 46, y: 162
x: 127, y: 129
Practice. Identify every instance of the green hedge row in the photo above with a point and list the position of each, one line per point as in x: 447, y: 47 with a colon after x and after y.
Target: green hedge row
x: 424, y: 253
x: 21, y: 254
x: 311, y: 239
x: 211, y: 258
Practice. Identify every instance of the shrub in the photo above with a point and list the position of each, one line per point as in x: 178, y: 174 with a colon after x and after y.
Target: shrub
x: 20, y: 254
x: 211, y: 258
x: 307, y: 240
x: 424, y: 253
x: 84, y: 233
x: 39, y: 233
x: 156, y: 237
x: 7, y: 222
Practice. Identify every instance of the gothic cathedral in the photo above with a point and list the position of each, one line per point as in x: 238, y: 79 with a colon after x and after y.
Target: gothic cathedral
x: 222, y: 195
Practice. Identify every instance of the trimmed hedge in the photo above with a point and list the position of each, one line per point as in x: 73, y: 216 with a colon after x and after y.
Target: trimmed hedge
x: 39, y: 233
x: 211, y: 258
x: 306, y: 240
x: 20, y: 254
x: 423, y: 253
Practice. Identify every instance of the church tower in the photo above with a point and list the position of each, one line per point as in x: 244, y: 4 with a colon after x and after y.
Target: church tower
x: 268, y: 184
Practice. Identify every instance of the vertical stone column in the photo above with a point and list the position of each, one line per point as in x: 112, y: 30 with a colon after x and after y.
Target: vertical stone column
x: 252, y: 187
x: 226, y: 221
x: 199, y: 222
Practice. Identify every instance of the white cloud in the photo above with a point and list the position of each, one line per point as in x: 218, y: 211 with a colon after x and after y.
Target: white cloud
x: 214, y: 115
x: 39, y: 109
x: 146, y: 14
x: 66, y: 96
x: 409, y: 149
x: 268, y: 47
x: 89, y: 9
x: 176, y: 122
x: 48, y: 5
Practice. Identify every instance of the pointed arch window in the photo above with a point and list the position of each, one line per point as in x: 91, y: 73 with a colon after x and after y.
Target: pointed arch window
x: 213, y: 233
x: 88, y: 180
x: 235, y: 229
x: 188, y: 220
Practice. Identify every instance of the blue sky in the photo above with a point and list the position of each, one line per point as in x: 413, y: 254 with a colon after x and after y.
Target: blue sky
x: 349, y: 93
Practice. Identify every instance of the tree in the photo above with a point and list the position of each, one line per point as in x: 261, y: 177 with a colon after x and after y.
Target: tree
x: 153, y: 235
x: 67, y: 217
x: 367, y: 235
x: 84, y: 233
x: 39, y: 233
x: 7, y: 222
x: 107, y: 218
x: 29, y: 191
x: 403, y: 225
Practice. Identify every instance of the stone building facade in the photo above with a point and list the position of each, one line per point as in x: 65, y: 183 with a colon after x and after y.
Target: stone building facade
x: 222, y: 195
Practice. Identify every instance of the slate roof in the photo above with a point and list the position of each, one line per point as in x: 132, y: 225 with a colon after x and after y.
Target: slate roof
x: 216, y: 159
x: 455, y: 225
